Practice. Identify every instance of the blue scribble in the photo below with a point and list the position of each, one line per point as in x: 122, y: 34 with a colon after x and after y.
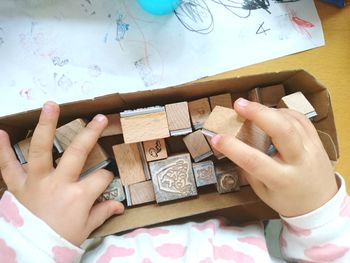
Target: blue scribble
x: 122, y: 28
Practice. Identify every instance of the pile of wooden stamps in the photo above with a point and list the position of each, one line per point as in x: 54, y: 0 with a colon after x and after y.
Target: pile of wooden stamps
x: 163, y: 153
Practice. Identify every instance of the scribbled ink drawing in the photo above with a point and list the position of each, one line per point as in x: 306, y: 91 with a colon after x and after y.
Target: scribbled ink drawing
x: 88, y: 7
x: 196, y: 16
x: 94, y: 71
x: 26, y: 93
x: 145, y: 71
x: 300, y: 24
x: 57, y: 61
x: 244, y: 8
x: 262, y: 29
x: 122, y: 28
x: 65, y: 83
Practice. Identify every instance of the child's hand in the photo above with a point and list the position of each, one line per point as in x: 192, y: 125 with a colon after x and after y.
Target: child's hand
x: 299, y: 178
x: 56, y: 195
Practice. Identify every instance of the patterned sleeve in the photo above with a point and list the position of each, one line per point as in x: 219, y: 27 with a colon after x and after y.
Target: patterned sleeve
x: 26, y: 238
x: 322, y: 235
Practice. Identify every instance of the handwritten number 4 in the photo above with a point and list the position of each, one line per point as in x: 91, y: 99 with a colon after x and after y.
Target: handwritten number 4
x: 261, y: 29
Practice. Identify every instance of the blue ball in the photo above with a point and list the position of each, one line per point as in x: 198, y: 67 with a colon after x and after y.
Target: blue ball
x: 159, y: 7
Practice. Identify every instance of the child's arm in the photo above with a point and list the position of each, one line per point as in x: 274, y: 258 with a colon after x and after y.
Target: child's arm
x: 298, y: 182
x: 56, y: 196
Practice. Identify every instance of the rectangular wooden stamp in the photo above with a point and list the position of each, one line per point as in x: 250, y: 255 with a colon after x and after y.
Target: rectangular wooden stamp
x: 198, y: 146
x: 178, y: 118
x: 199, y: 111
x: 66, y: 133
x: 227, y: 177
x: 140, y: 193
x: 298, y: 102
x: 130, y: 166
x: 114, y: 126
x: 204, y: 173
x: 271, y: 95
x: 223, y: 121
x: 173, y: 178
x: 223, y: 100
x: 175, y: 145
x: 113, y: 192
x: 144, y: 161
x: 144, y: 124
x: 155, y: 150
x: 254, y: 95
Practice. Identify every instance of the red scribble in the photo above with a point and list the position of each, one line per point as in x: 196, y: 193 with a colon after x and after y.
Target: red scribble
x: 303, y: 23
x: 26, y: 93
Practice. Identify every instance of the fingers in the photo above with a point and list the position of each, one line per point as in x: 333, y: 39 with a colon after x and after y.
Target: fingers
x: 101, y: 212
x: 77, y: 152
x: 40, y: 150
x: 282, y: 130
x: 11, y: 171
x: 96, y: 183
x: 259, y: 165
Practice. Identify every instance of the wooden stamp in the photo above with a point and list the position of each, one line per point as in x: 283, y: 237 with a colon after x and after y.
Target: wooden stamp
x: 155, y: 150
x: 227, y: 177
x: 114, y: 126
x: 144, y: 161
x: 173, y: 178
x: 199, y: 111
x: 66, y: 133
x: 140, y: 193
x: 113, y: 192
x: 198, y: 146
x: 254, y: 95
x: 22, y: 149
x: 254, y: 136
x: 298, y: 102
x: 175, y: 145
x: 271, y: 95
x: 223, y: 100
x: 130, y: 166
x: 223, y: 121
x: 178, y: 118
x: 204, y: 173
x: 144, y: 124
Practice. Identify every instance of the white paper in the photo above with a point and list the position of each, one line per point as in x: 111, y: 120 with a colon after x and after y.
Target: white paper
x: 71, y: 50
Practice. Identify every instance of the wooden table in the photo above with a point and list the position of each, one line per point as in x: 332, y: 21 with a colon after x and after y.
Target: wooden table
x: 330, y: 64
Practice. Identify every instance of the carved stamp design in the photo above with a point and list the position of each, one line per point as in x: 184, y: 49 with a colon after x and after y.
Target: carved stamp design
x: 204, y: 173
x: 113, y: 192
x: 227, y: 178
x: 173, y: 178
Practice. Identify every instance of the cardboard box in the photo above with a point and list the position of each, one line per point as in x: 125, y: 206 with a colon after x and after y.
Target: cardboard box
x: 239, y: 206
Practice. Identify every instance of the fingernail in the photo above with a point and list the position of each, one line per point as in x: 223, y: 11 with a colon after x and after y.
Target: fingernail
x: 215, y: 140
x: 100, y: 118
x: 49, y: 106
x: 242, y: 102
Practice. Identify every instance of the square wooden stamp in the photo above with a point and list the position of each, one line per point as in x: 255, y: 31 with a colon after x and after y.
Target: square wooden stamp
x: 223, y: 100
x: 198, y: 146
x: 114, y: 126
x: 178, y: 118
x: 199, y: 111
x: 271, y: 95
x: 144, y: 124
x: 173, y: 178
x: 66, y: 133
x: 155, y: 150
x: 227, y: 177
x: 140, y: 193
x: 113, y: 192
x: 130, y: 165
x: 298, y: 102
x: 204, y: 173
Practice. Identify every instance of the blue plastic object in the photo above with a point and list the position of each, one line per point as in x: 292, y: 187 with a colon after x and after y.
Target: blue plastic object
x: 339, y: 3
x: 159, y: 7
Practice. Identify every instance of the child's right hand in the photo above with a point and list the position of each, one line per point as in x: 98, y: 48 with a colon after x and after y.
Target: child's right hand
x: 299, y: 178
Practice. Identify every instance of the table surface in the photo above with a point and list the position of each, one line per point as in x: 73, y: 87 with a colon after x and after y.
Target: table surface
x: 330, y: 64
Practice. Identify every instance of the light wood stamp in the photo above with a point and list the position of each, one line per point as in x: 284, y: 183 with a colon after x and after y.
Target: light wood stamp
x: 271, y: 95
x: 140, y: 193
x: 173, y: 178
x: 198, y: 146
x: 144, y: 124
x: 298, y: 102
x: 199, y: 111
x: 204, y: 173
x: 130, y: 166
x: 178, y: 118
x: 114, y: 126
x: 223, y: 100
x: 155, y: 150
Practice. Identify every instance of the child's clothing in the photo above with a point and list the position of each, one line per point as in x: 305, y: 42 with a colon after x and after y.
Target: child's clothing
x: 319, y: 236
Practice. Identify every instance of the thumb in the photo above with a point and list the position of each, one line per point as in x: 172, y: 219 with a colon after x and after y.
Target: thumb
x: 102, y: 211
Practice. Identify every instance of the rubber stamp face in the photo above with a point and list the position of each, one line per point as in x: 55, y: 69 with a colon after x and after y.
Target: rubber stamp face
x: 113, y: 192
x: 227, y: 178
x: 173, y: 178
x: 204, y: 173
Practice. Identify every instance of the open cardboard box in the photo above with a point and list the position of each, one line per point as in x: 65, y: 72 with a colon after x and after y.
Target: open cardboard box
x: 238, y: 206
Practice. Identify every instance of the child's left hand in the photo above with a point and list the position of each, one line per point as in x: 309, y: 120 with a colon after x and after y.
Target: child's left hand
x: 57, y: 196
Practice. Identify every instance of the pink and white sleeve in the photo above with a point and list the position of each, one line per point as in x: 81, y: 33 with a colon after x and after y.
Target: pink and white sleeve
x: 26, y: 238
x: 322, y: 235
